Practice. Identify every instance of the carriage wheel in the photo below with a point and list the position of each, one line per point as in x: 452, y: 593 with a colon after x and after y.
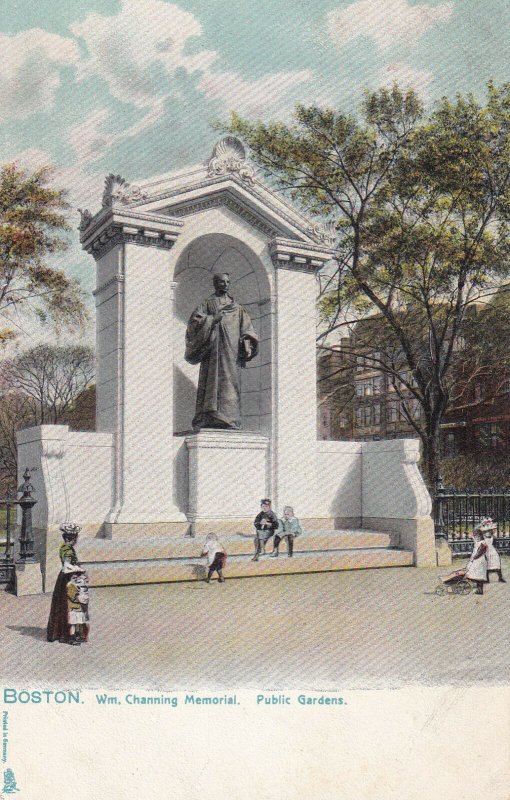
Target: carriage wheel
x: 441, y: 590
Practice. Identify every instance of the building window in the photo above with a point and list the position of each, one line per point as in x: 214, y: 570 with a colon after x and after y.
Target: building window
x: 378, y: 385
x: 490, y: 435
x: 393, y: 409
x: 450, y: 445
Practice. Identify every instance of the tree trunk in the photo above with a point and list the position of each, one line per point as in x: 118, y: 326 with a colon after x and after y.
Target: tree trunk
x: 431, y: 457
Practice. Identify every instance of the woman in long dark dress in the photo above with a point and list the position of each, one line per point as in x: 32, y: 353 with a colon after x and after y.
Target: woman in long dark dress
x: 58, y: 625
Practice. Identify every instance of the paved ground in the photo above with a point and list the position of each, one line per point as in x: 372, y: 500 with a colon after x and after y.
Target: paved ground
x: 359, y: 629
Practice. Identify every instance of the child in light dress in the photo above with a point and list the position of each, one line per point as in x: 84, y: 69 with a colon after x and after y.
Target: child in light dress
x: 216, y: 556
x: 78, y: 605
x: 476, y: 569
x: 488, y: 528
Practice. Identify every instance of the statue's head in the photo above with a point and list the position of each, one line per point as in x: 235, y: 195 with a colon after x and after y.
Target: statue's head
x: 221, y: 281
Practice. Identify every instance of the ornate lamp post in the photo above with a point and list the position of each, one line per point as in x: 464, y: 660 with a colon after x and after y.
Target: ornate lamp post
x: 440, y: 528
x: 26, y: 502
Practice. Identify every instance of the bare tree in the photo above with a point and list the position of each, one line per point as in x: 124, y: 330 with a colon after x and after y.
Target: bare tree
x: 40, y: 386
x: 52, y: 377
x: 17, y: 411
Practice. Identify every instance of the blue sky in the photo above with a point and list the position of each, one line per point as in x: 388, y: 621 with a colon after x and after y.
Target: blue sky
x: 132, y: 86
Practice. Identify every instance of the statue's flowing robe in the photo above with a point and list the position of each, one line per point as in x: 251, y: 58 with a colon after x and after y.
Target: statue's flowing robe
x: 220, y: 351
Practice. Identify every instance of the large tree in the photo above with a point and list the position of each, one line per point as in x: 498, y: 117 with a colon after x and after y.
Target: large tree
x: 421, y: 206
x: 33, y: 228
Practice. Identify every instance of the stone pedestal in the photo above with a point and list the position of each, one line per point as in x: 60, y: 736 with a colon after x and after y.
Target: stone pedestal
x: 228, y: 475
x: 28, y: 578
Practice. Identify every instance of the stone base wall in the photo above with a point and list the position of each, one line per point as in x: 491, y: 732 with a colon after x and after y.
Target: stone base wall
x: 371, y: 485
x: 409, y: 534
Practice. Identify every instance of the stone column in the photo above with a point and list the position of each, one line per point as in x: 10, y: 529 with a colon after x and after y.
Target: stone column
x: 135, y: 362
x: 294, y: 372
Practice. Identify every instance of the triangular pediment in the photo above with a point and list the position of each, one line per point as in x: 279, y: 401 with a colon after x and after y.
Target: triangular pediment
x: 228, y: 179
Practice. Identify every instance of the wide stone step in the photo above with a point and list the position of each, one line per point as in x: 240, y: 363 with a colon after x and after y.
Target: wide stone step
x: 162, y: 570
x: 91, y: 550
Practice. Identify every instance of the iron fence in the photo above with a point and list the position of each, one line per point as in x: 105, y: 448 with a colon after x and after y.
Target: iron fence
x: 7, y: 527
x: 457, y: 513
x: 8, y: 516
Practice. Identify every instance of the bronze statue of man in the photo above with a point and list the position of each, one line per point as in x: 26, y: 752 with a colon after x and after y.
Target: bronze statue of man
x: 219, y: 337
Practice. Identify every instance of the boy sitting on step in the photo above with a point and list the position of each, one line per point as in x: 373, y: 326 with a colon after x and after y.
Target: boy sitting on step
x: 289, y: 527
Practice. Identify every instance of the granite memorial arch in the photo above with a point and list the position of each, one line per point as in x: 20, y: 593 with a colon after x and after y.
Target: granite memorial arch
x: 144, y: 482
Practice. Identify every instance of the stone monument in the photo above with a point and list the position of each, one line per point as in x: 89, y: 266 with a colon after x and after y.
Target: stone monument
x: 167, y: 459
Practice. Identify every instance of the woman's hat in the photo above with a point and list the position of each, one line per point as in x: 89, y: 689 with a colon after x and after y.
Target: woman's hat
x: 70, y: 528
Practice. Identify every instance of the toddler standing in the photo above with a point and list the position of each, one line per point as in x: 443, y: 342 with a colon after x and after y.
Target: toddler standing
x: 216, y: 557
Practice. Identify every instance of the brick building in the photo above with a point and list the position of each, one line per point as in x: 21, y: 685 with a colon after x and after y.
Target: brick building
x: 368, y: 407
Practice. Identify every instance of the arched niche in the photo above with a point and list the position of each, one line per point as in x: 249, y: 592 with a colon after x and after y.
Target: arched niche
x: 249, y: 285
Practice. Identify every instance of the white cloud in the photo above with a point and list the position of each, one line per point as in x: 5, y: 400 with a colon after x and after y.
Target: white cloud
x: 386, y: 22
x: 90, y: 141
x: 149, y: 39
x: 140, y: 53
x: 127, y: 48
x: 30, y: 73
x: 263, y: 97
x: 87, y: 139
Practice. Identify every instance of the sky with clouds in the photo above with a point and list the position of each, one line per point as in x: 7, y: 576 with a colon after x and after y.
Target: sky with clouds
x: 132, y: 86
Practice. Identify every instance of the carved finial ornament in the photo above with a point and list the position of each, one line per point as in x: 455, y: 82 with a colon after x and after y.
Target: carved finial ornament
x: 118, y: 190
x: 325, y: 233
x: 85, y: 219
x: 229, y: 157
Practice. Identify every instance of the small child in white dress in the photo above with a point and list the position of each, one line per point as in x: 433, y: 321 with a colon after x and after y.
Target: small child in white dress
x: 216, y: 557
x: 488, y: 528
x: 476, y: 569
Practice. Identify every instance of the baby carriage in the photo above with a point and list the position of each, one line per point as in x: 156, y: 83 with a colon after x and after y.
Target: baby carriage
x: 454, y: 583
